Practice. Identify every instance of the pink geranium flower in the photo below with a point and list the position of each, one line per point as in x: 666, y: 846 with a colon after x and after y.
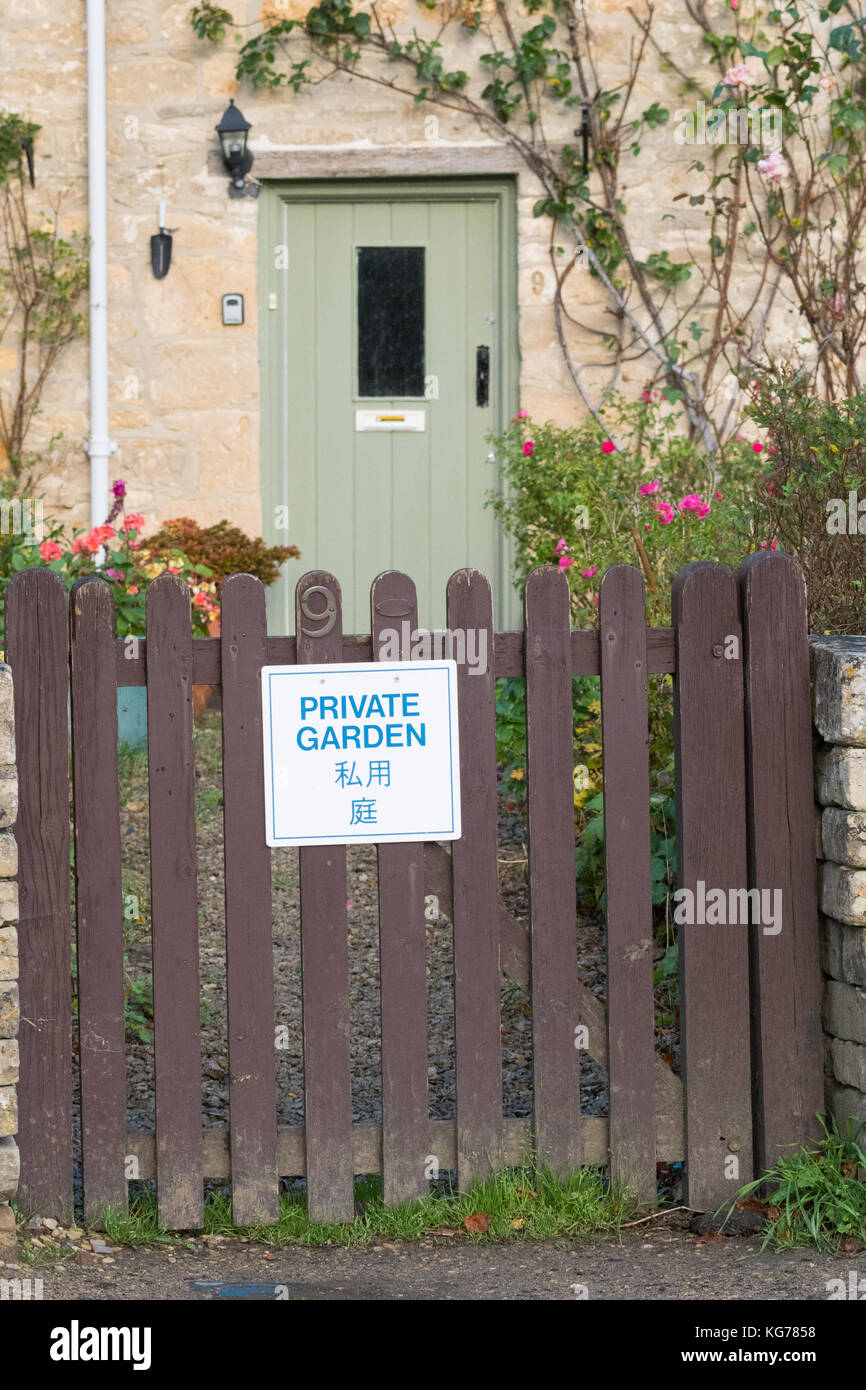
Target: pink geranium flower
x: 133, y: 521
x: 50, y: 550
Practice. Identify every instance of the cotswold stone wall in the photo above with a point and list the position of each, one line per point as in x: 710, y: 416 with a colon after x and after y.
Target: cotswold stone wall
x: 839, y: 685
x: 9, y: 1012
x: 184, y: 390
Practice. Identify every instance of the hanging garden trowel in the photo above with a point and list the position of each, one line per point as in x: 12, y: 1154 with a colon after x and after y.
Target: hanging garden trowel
x: 160, y: 251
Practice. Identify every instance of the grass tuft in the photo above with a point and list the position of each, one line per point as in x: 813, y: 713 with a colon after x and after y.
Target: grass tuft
x: 521, y: 1203
x: 816, y: 1195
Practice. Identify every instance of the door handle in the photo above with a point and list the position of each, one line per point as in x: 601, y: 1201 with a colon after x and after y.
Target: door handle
x: 482, y: 376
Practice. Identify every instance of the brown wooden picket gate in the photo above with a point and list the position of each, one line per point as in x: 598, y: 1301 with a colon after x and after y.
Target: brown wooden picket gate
x: 751, y: 1056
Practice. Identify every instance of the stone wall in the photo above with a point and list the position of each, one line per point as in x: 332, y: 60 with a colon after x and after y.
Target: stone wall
x: 184, y: 390
x: 839, y: 686
x: 9, y: 1013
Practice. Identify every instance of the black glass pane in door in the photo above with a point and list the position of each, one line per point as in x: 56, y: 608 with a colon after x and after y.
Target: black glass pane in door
x: 390, y: 320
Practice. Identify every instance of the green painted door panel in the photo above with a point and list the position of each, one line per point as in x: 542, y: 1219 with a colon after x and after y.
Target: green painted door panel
x: 360, y: 501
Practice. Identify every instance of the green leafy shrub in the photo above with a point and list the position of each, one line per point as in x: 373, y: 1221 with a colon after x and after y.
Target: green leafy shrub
x: 128, y: 565
x: 810, y: 500
x: 653, y: 499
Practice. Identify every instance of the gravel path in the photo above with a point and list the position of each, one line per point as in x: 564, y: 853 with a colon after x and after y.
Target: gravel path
x: 664, y: 1263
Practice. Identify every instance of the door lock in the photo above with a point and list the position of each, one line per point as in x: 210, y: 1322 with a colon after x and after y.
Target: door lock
x: 482, y: 377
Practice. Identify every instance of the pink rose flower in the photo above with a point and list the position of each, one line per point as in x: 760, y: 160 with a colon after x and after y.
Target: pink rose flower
x: 523, y: 414
x: 608, y: 447
x: 774, y: 167
x: 757, y: 447
x: 738, y: 76
x: 565, y: 561
x: 649, y: 488
x: 587, y: 574
x: 528, y: 448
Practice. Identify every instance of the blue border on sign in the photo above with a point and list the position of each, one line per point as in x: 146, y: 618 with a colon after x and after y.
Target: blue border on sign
x: 421, y: 834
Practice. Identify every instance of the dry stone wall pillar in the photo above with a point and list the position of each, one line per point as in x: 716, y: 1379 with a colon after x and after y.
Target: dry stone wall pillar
x: 839, y: 701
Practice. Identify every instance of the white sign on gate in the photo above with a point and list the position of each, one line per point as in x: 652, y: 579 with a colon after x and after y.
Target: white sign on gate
x: 359, y: 753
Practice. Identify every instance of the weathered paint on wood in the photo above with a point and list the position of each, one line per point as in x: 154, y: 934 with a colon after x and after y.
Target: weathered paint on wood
x: 37, y: 650
x: 711, y: 849
x: 174, y: 904
x: 98, y: 897
x: 628, y: 877
x: 786, y: 975
x: 249, y: 936
x: 402, y: 955
x: 475, y: 888
x: 552, y: 893
x: 325, y: 954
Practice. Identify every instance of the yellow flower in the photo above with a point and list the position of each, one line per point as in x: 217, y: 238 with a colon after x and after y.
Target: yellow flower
x: 517, y: 775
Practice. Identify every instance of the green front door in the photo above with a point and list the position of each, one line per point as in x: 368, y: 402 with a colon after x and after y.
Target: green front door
x: 388, y: 358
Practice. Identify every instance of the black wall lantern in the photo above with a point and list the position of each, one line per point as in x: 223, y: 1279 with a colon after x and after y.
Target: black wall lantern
x: 233, y: 131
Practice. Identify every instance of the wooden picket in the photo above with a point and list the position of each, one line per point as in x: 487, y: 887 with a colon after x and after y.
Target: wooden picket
x: 711, y: 850
x: 174, y: 904
x: 325, y: 954
x: 475, y: 896
x: 37, y: 649
x: 743, y: 755
x: 402, y: 955
x: 249, y: 946
x: 625, y: 755
x: 786, y: 976
x: 98, y: 897
x: 552, y: 889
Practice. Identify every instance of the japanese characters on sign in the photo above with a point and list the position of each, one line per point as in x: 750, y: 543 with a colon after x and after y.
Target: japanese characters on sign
x: 361, y: 753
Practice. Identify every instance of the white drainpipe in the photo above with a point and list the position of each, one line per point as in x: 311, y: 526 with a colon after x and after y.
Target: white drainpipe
x: 99, y: 446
